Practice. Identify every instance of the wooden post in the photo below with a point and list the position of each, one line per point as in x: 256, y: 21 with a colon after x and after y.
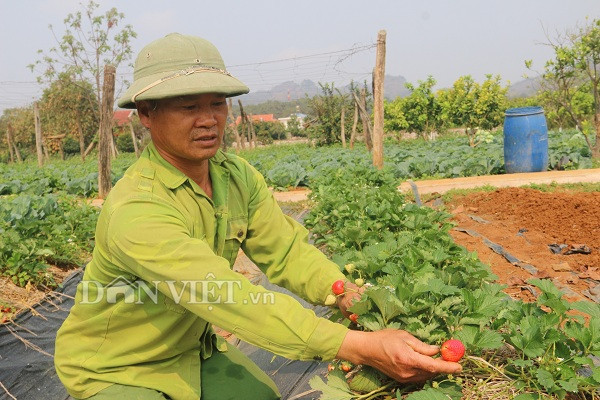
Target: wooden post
x: 364, y: 116
x: 105, y: 139
x: 251, y: 132
x: 13, y: 146
x: 343, y: 127
x: 366, y: 119
x: 378, y: 78
x: 247, y: 121
x: 238, y: 141
x: 81, y: 139
x: 133, y: 138
x: 11, y: 151
x: 38, y: 134
x: 354, y: 124
x: 61, y: 151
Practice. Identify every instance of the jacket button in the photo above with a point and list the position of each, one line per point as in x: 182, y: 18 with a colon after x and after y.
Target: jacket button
x: 240, y: 234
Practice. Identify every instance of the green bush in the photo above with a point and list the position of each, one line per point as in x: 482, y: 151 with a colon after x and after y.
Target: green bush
x: 125, y: 144
x: 71, y: 146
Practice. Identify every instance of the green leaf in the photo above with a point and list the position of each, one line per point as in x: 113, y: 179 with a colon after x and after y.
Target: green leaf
x: 372, y: 322
x: 545, y: 379
x: 488, y: 340
x: 428, y: 394
x: 527, y: 396
x: 569, y: 386
x: 366, y: 380
x: 596, y: 374
x: 336, y: 387
x: 587, y: 307
x: 386, y: 302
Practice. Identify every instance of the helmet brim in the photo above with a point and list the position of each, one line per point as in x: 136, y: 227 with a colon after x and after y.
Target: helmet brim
x: 160, y: 86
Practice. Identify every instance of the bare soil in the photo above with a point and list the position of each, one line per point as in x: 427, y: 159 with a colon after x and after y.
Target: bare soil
x: 525, y: 222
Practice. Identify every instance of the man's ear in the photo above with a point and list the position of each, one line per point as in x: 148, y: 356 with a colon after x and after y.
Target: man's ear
x: 143, y: 109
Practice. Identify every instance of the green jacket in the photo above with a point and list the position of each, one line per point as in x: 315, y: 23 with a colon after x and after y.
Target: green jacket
x: 161, y: 275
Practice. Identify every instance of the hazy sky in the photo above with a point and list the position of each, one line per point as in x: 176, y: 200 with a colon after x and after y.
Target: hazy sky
x: 442, y: 38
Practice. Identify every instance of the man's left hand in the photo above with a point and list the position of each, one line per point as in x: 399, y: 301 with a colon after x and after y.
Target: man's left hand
x: 352, y: 294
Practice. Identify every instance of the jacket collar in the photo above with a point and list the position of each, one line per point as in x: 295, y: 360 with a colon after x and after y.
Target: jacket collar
x: 170, y: 176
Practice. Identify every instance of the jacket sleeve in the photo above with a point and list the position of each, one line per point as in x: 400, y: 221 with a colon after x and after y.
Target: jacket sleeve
x: 150, y: 240
x: 279, y: 246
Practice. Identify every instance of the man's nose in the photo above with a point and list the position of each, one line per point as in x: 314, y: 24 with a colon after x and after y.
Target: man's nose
x: 205, y: 117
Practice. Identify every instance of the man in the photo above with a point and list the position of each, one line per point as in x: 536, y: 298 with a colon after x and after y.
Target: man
x: 166, y: 240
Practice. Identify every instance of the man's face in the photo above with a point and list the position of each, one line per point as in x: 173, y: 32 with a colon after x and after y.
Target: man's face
x: 186, y: 130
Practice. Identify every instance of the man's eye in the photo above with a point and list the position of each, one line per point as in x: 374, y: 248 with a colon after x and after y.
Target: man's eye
x: 219, y: 103
x: 189, y: 107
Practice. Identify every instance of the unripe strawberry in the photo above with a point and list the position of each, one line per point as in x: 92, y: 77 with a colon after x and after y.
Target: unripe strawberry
x: 359, y: 282
x: 338, y: 287
x: 330, y: 300
x: 452, y: 350
x: 350, y: 268
x: 346, y: 366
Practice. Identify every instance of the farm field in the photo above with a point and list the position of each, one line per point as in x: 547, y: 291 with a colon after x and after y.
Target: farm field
x: 427, y: 269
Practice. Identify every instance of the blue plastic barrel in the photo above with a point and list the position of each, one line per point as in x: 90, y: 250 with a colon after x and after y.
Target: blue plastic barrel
x: 525, y: 140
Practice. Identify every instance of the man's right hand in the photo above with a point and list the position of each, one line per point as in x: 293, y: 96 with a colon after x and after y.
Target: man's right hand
x: 396, y: 353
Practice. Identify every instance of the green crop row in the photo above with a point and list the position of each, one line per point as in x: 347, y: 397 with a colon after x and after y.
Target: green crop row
x: 39, y: 231
x: 298, y: 165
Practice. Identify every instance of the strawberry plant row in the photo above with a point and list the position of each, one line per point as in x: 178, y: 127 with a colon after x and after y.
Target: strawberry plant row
x: 419, y: 280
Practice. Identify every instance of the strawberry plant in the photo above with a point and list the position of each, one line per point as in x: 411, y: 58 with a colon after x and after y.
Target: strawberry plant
x: 419, y: 280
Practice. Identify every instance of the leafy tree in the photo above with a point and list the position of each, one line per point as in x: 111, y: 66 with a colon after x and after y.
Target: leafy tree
x: 90, y: 41
x: 421, y: 110
x: 269, y: 129
x: 473, y: 106
x: 294, y: 128
x: 66, y: 109
x: 393, y: 116
x: 573, y: 75
x: 22, y: 127
x: 325, y: 112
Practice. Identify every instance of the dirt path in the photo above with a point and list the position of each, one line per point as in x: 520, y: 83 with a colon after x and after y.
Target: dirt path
x: 504, y: 180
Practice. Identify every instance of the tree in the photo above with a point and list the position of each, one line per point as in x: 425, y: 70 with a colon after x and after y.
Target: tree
x: 325, y: 111
x: 90, y: 41
x: 421, y: 109
x: 573, y: 75
x: 474, y: 106
x: 19, y: 124
x: 66, y: 109
x: 293, y: 126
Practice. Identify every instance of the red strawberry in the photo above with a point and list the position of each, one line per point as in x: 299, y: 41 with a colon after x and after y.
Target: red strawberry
x: 452, y: 350
x: 353, y: 318
x: 338, y: 287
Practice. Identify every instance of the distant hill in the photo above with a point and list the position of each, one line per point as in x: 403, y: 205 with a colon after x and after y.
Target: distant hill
x: 524, y: 88
x: 290, y: 90
x: 393, y: 88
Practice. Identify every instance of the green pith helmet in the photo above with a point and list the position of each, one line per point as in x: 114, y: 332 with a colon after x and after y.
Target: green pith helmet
x: 179, y: 65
